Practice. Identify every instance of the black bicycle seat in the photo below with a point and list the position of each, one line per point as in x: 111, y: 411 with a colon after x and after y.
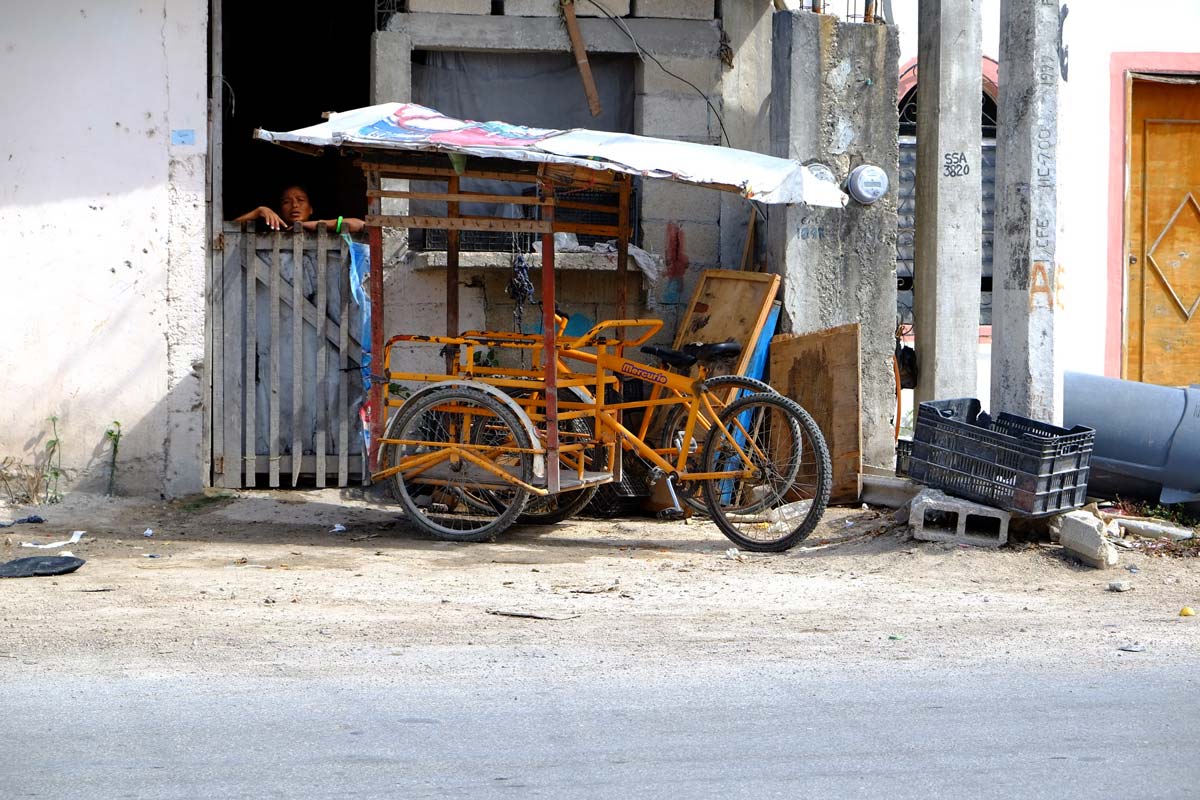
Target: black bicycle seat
x: 712, y: 352
x: 673, y: 357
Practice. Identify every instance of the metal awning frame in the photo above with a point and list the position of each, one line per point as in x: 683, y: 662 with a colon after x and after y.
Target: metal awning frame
x: 551, y: 180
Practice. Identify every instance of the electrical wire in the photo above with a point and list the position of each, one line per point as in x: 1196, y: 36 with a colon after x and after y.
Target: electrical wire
x: 643, y: 55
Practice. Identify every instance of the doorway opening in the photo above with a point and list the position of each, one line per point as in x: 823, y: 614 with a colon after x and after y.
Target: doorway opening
x: 281, y: 71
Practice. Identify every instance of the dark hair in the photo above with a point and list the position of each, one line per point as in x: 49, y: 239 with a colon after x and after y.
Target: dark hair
x: 283, y: 190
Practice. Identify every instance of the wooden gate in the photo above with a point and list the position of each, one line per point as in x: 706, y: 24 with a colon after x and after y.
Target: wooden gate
x: 270, y: 419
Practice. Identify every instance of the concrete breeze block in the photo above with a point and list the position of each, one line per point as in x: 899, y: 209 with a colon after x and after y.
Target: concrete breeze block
x: 669, y: 115
x: 549, y: 8
x: 701, y: 241
x: 450, y: 6
x: 674, y: 9
x: 973, y: 523
x: 704, y: 73
x: 1082, y: 536
x: 680, y: 202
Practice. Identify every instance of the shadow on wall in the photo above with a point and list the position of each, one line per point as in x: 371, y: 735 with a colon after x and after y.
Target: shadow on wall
x: 73, y: 450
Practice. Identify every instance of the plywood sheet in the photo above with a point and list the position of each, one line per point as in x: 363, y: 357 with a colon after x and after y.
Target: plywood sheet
x: 821, y: 372
x: 729, y: 306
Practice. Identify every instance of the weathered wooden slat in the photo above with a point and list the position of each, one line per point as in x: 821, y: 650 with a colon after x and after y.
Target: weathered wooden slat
x: 343, y: 409
x: 322, y: 384
x: 460, y: 197
x: 610, y: 231
x: 251, y: 353
x: 276, y: 339
x: 297, y: 354
x: 574, y: 205
x: 427, y: 173
x: 221, y: 321
x: 306, y: 464
x: 310, y: 314
x: 460, y: 223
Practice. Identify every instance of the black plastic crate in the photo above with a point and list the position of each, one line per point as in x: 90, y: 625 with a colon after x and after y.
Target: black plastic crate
x: 1013, y: 463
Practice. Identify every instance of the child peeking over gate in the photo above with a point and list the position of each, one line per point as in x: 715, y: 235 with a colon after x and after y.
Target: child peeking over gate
x: 296, y: 207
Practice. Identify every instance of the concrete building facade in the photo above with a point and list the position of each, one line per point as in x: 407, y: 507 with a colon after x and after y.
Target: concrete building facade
x: 1095, y: 291
x: 114, y: 181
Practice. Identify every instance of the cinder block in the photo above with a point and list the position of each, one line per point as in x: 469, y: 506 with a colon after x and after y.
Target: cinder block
x: 1082, y: 536
x: 674, y: 9
x: 937, y: 517
x: 681, y: 202
x: 450, y: 6
x: 549, y: 8
x: 701, y: 241
x: 669, y: 115
x: 704, y: 73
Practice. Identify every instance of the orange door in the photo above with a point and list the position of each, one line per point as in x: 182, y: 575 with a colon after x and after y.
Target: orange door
x: 1162, y: 330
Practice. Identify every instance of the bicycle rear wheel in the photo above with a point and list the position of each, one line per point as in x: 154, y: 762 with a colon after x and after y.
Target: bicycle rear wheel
x: 722, y: 390
x: 441, y: 497
x: 780, y: 473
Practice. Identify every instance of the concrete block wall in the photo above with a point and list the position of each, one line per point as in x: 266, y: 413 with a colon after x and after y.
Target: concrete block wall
x: 549, y: 8
x: 450, y: 6
x: 674, y: 9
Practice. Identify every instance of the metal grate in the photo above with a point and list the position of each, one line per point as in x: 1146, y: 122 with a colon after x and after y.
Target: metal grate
x: 473, y: 241
x: 592, y: 217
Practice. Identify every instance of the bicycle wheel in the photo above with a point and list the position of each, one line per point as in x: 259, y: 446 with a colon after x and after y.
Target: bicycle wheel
x: 435, y: 495
x: 722, y: 390
x: 390, y: 454
x: 784, y: 487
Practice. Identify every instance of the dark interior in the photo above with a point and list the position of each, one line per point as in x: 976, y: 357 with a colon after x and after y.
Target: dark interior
x: 282, y: 69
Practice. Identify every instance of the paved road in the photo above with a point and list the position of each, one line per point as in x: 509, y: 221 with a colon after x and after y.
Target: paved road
x: 760, y: 733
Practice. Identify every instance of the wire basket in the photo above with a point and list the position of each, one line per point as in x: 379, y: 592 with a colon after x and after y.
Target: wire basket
x: 1012, y: 463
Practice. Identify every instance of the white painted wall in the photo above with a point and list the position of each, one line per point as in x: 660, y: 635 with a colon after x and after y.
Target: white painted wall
x: 104, y: 235
x: 1094, y: 30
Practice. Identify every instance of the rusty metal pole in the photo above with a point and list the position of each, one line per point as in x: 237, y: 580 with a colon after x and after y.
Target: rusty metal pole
x: 378, y: 409
x: 452, y: 245
x: 549, y: 338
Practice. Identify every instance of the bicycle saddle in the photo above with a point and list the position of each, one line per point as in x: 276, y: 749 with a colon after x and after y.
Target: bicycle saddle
x: 691, y: 353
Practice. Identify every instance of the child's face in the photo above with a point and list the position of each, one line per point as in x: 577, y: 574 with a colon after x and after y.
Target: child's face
x: 295, y: 205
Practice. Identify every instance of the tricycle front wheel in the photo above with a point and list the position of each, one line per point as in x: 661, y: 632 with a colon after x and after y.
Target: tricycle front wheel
x: 464, y: 449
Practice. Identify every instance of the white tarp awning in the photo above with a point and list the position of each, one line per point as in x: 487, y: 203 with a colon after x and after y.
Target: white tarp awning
x: 407, y: 126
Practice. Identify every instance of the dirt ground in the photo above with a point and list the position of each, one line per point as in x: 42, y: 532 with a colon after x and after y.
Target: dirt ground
x: 257, y: 584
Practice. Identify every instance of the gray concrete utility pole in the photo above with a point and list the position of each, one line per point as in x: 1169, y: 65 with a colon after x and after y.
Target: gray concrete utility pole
x: 1025, y: 275
x: 949, y: 240
x: 833, y: 101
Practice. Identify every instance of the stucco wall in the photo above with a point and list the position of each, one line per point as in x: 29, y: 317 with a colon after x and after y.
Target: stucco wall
x: 1093, y: 31
x: 104, y: 236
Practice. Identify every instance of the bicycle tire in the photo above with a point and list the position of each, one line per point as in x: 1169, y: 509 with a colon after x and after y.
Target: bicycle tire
x: 794, y: 479
x: 421, y: 420
x: 690, y: 491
